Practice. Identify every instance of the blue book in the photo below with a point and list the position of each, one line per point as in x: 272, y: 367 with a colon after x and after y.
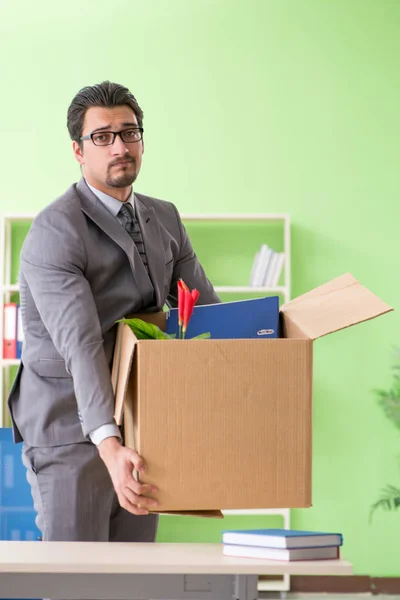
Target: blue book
x: 17, y: 513
x: 281, y: 538
x: 255, y: 318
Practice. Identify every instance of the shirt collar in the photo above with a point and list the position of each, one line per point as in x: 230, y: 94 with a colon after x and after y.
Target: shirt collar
x: 112, y: 204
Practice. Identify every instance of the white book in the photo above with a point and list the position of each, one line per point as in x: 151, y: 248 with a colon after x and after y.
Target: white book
x: 254, y: 267
x: 261, y: 265
x: 275, y: 276
x: 285, y: 554
x: 267, y: 265
x: 270, y: 270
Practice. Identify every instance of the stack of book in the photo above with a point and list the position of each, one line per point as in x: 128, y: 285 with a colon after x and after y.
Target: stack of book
x: 267, y: 267
x: 282, y: 544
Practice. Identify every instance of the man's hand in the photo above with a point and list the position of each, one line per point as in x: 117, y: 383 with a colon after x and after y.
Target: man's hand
x: 121, y: 462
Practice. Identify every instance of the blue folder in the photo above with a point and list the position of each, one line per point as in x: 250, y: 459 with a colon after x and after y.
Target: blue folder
x: 255, y: 318
x: 17, y: 514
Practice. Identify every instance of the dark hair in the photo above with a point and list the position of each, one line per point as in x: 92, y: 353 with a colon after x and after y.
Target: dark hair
x: 105, y: 94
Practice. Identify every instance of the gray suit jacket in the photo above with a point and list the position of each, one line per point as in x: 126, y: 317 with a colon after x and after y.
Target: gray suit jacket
x: 80, y: 272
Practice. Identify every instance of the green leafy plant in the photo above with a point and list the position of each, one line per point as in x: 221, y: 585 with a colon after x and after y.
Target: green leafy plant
x: 388, y: 500
x: 148, y: 331
x: 389, y: 401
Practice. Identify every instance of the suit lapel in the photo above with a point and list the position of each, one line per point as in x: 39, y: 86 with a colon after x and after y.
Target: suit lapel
x: 99, y: 214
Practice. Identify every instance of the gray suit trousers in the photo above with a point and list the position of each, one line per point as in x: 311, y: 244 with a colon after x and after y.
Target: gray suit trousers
x: 75, y: 500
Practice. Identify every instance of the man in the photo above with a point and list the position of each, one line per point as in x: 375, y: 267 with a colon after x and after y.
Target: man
x: 96, y: 254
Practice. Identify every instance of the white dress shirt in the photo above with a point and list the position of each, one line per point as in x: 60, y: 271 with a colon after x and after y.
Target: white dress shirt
x: 113, y: 205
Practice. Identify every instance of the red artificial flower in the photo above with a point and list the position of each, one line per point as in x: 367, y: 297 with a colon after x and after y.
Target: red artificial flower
x: 186, y: 301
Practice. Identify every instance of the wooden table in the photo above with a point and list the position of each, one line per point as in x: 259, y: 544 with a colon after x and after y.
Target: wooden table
x: 122, y: 571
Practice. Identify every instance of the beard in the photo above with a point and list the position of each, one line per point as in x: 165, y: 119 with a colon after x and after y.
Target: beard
x: 126, y: 176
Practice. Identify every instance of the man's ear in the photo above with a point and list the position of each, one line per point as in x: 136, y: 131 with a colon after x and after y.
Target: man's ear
x: 77, y: 150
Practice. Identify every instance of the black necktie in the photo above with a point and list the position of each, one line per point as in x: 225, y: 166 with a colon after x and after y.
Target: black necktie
x: 130, y: 223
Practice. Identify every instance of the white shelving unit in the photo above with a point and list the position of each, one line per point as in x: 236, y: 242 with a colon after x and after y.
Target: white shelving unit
x: 282, y: 585
x: 243, y: 218
x: 7, y: 287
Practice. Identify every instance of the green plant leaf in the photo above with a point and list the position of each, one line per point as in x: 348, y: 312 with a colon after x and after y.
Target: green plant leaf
x: 202, y: 336
x: 146, y: 331
x: 389, y: 400
x: 389, y: 500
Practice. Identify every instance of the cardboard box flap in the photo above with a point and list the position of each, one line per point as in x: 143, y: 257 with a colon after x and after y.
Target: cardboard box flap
x: 338, y: 304
x: 123, y: 356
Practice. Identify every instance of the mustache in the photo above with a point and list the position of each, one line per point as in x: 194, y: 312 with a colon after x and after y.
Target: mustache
x: 117, y: 161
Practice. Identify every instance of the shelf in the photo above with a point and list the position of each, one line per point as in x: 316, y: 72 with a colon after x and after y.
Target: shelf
x: 10, y: 362
x: 21, y: 217
x: 282, y: 585
x: 242, y: 288
x: 235, y: 217
x: 12, y: 287
x: 229, y: 289
x: 188, y: 216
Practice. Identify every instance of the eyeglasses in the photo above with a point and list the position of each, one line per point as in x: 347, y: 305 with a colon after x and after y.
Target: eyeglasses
x: 107, y: 138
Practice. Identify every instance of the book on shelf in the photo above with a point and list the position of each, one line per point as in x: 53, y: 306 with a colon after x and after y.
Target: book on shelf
x: 281, y: 538
x: 274, y: 270
x: 267, y: 267
x: 20, y: 332
x: 260, y: 266
x: 13, y: 334
x: 10, y: 317
x: 284, y: 554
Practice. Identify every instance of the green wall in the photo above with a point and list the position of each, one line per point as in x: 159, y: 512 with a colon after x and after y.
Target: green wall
x: 250, y: 105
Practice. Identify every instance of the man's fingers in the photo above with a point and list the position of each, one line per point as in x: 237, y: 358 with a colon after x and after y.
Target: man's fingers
x: 141, y: 489
x: 133, y: 496
x: 132, y: 508
x: 141, y: 502
x: 137, y: 461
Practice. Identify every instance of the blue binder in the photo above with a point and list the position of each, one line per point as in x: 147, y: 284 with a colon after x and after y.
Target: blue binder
x: 17, y: 514
x: 20, y: 333
x: 255, y: 318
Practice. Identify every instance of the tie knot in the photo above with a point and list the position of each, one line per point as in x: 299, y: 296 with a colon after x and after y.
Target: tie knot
x: 126, y: 211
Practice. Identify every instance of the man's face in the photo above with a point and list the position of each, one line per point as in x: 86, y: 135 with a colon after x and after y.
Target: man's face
x: 111, y: 169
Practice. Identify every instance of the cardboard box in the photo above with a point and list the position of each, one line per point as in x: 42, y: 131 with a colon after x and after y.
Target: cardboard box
x: 227, y: 424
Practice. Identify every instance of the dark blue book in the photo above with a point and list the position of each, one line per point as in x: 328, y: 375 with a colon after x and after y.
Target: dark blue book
x: 255, y: 318
x: 281, y: 538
